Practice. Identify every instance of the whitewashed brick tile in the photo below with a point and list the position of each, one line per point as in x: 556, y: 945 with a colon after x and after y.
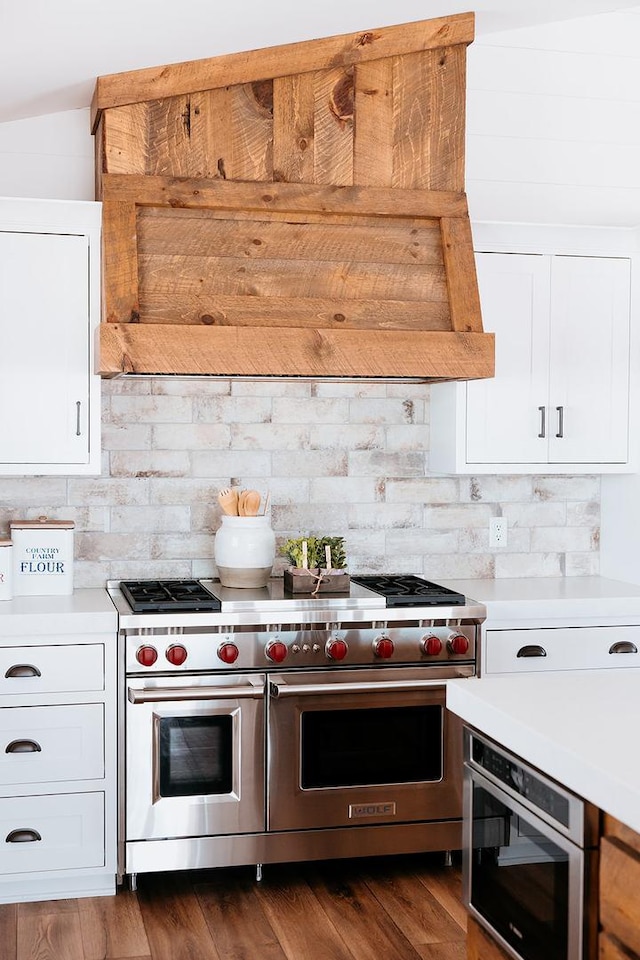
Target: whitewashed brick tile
x: 287, y: 490
x: 89, y: 574
x: 190, y: 387
x: 561, y: 539
x: 85, y: 518
x: 205, y: 517
x: 191, y: 436
x: 582, y: 564
x: 495, y: 489
x: 271, y: 388
x: 343, y: 490
x: 296, y: 520
x: 458, y: 516
x: 151, y: 409
x: 203, y: 569
x: 413, y: 391
x: 181, y: 547
x: 547, y: 514
x: 150, y: 463
x: 361, y: 542
x: 377, y: 463
x: 226, y: 464
x: 566, y: 488
x: 384, y: 516
x: 349, y: 389
x: 419, y: 542
x: 310, y: 463
x: 310, y: 411
x: 152, y: 519
x: 458, y: 566
x: 528, y: 565
x: 407, y: 437
x: 126, y: 436
x: 587, y: 514
x: 46, y: 491
x: 168, y: 491
x: 476, y: 540
x: 127, y: 386
x: 248, y: 410
x: 111, y: 546
x: 377, y: 563
x: 269, y: 436
x: 134, y: 569
x: 387, y: 411
x: 108, y: 491
x: 348, y: 436
x: 422, y: 490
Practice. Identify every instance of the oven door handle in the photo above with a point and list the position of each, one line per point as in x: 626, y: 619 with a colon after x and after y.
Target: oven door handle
x: 176, y: 694
x: 282, y: 689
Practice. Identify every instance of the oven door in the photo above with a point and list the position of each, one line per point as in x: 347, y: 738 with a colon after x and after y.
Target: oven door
x: 526, y: 883
x: 362, y: 747
x: 194, y: 756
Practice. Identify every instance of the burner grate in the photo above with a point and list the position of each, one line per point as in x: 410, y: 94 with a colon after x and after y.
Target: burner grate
x: 164, y: 596
x: 407, y: 590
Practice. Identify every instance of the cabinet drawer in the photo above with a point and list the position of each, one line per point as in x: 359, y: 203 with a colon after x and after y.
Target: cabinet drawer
x: 54, y: 669
x: 43, y: 744
x: 619, y: 884
x: 52, y: 832
x: 569, y: 648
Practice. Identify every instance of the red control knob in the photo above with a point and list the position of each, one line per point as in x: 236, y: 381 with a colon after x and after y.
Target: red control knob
x: 383, y: 647
x: 458, y: 643
x: 228, y: 652
x: 276, y: 651
x: 176, y: 654
x: 336, y: 649
x: 147, y: 656
x: 431, y: 645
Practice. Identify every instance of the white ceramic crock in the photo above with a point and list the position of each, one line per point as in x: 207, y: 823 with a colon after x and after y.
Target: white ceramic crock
x: 244, y: 551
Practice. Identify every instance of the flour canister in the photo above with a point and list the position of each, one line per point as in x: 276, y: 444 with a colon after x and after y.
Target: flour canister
x: 42, y: 557
x: 6, y: 570
x: 244, y: 550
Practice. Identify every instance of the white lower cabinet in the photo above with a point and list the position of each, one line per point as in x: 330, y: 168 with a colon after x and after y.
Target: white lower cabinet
x: 57, y: 749
x: 560, y: 648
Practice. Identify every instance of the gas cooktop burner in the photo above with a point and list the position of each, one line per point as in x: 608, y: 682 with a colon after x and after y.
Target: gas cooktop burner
x: 165, y: 596
x: 405, y: 590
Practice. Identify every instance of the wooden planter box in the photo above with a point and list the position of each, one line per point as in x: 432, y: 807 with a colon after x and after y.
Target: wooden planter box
x: 297, y: 580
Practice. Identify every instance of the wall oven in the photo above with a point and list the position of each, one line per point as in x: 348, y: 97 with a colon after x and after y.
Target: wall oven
x: 529, y: 857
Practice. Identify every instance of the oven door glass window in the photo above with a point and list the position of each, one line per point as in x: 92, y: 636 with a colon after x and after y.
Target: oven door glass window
x: 195, y: 756
x: 519, y: 880
x: 371, y: 746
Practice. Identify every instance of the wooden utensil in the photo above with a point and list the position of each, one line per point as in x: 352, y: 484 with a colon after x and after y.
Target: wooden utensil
x: 251, y: 503
x: 228, y: 500
x: 241, y: 500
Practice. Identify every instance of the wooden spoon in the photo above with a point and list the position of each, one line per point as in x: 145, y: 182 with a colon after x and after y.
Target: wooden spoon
x: 251, y: 503
x: 241, y: 500
x: 228, y: 500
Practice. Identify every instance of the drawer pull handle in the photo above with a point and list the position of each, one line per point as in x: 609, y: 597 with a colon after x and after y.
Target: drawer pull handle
x: 22, y: 670
x: 23, y: 746
x: 623, y: 646
x: 23, y: 835
x: 532, y: 650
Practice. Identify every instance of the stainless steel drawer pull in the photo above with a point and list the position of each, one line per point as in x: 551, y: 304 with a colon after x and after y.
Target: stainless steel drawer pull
x: 623, y: 646
x: 22, y: 670
x: 23, y: 746
x: 532, y: 650
x: 23, y: 835
x: 175, y: 694
x: 543, y: 424
x: 560, y: 412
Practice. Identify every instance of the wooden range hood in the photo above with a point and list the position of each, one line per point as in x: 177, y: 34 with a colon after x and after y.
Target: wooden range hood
x: 292, y: 211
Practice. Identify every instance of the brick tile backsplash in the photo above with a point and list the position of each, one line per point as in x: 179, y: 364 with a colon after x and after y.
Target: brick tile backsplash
x: 337, y: 457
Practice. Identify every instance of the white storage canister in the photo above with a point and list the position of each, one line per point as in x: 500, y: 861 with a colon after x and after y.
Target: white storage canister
x: 42, y: 557
x: 6, y: 571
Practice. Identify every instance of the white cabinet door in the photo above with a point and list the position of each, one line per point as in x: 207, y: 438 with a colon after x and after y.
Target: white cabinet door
x: 589, y: 360
x: 505, y: 415
x: 49, y: 306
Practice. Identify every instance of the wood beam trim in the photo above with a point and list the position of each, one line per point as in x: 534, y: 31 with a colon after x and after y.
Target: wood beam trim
x: 155, y: 83
x: 460, y: 270
x: 120, y: 261
x: 186, y: 192
x: 282, y: 352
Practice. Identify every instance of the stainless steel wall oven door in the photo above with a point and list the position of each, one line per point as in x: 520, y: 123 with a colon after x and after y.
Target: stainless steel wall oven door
x: 529, y: 857
x: 362, y: 747
x: 195, y: 756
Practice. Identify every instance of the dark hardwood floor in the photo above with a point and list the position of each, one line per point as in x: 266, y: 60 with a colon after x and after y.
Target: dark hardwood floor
x: 391, y: 908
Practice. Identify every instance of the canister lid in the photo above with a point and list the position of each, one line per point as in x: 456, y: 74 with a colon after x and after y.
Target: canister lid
x: 42, y: 523
x: 6, y: 543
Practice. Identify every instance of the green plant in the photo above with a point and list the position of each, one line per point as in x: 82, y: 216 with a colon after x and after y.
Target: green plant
x: 316, y: 551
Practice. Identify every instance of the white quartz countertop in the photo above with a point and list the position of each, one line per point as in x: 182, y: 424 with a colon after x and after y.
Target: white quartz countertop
x: 77, y: 613
x: 563, y: 600
x: 579, y: 727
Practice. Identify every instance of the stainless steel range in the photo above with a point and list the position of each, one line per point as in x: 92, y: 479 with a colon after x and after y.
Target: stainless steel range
x: 259, y: 726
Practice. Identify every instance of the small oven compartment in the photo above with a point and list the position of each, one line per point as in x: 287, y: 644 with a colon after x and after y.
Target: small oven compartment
x: 352, y: 750
x: 194, y: 756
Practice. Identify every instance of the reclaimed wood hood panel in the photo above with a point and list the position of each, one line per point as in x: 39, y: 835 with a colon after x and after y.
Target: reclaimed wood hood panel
x: 308, y: 218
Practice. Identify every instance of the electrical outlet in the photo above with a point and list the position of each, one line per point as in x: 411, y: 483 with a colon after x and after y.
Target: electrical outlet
x: 497, y: 532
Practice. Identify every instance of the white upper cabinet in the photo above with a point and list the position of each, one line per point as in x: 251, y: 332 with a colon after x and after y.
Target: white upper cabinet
x: 49, y: 309
x: 559, y: 402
